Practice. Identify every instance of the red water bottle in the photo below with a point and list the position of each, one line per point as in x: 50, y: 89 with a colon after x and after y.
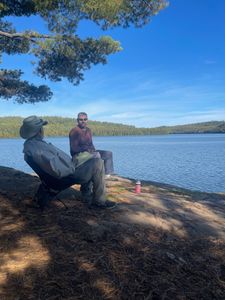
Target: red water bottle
x: 138, y: 187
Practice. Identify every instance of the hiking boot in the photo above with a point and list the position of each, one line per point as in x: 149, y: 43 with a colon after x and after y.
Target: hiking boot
x: 87, y: 198
x: 43, y: 196
x: 107, y: 205
x: 110, y: 204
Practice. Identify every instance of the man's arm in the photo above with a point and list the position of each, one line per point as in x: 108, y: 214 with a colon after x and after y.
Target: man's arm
x: 50, y: 159
x: 91, y: 147
x: 74, y: 142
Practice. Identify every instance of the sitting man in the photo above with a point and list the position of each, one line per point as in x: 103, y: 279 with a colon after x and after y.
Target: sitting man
x: 81, y: 141
x: 58, y: 164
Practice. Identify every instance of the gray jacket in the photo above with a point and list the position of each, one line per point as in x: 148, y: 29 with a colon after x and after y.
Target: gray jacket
x: 49, y: 158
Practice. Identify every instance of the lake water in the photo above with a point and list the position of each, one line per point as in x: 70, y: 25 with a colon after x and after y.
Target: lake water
x: 193, y: 161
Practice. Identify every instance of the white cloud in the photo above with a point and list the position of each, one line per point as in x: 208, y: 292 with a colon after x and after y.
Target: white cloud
x: 143, y: 99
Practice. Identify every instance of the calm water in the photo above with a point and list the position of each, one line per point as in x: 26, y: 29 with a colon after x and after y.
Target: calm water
x: 191, y: 161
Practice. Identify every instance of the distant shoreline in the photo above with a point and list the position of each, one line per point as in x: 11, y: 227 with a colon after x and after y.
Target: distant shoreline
x: 61, y: 136
x: 58, y: 126
x: 128, y: 135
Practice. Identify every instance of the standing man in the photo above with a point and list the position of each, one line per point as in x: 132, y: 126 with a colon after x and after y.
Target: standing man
x: 81, y: 141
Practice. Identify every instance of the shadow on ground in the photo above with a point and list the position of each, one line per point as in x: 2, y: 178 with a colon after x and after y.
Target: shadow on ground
x: 165, y: 243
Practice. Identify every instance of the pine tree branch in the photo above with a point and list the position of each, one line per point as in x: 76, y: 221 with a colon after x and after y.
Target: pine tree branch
x: 26, y: 35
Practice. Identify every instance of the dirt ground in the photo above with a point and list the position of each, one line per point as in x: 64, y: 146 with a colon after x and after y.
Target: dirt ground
x: 165, y: 243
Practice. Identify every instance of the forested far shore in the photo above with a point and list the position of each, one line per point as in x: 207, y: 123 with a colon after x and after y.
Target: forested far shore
x: 59, y: 126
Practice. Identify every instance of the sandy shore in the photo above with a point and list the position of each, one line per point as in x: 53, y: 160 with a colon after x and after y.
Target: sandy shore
x: 165, y: 243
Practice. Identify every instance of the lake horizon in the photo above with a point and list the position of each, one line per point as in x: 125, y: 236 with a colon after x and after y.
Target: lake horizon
x: 190, y: 161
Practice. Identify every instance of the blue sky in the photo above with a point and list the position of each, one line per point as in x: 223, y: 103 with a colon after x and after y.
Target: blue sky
x: 170, y: 72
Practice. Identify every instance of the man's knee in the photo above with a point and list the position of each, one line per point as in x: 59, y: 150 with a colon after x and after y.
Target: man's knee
x: 98, y: 163
x: 105, y: 154
x: 109, y: 154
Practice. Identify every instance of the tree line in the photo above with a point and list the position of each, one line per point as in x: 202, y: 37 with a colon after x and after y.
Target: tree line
x: 59, y: 126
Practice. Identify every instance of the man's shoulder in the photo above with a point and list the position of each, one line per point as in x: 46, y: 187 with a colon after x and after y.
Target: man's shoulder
x: 74, y: 130
x: 35, y: 143
x: 32, y: 146
x: 87, y: 129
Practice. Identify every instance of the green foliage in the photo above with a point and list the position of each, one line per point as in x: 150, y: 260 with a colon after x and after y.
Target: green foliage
x: 12, y: 86
x: 58, y: 126
x: 12, y: 46
x: 17, y: 8
x: 62, y: 54
x: 62, y: 57
x: 205, y: 127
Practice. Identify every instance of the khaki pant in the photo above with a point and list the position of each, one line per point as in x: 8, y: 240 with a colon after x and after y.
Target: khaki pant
x: 91, y: 176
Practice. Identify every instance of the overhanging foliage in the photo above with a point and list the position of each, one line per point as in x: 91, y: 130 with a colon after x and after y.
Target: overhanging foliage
x: 62, y: 53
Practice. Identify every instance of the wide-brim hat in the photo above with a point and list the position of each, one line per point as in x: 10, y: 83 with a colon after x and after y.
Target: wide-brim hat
x: 31, y: 126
